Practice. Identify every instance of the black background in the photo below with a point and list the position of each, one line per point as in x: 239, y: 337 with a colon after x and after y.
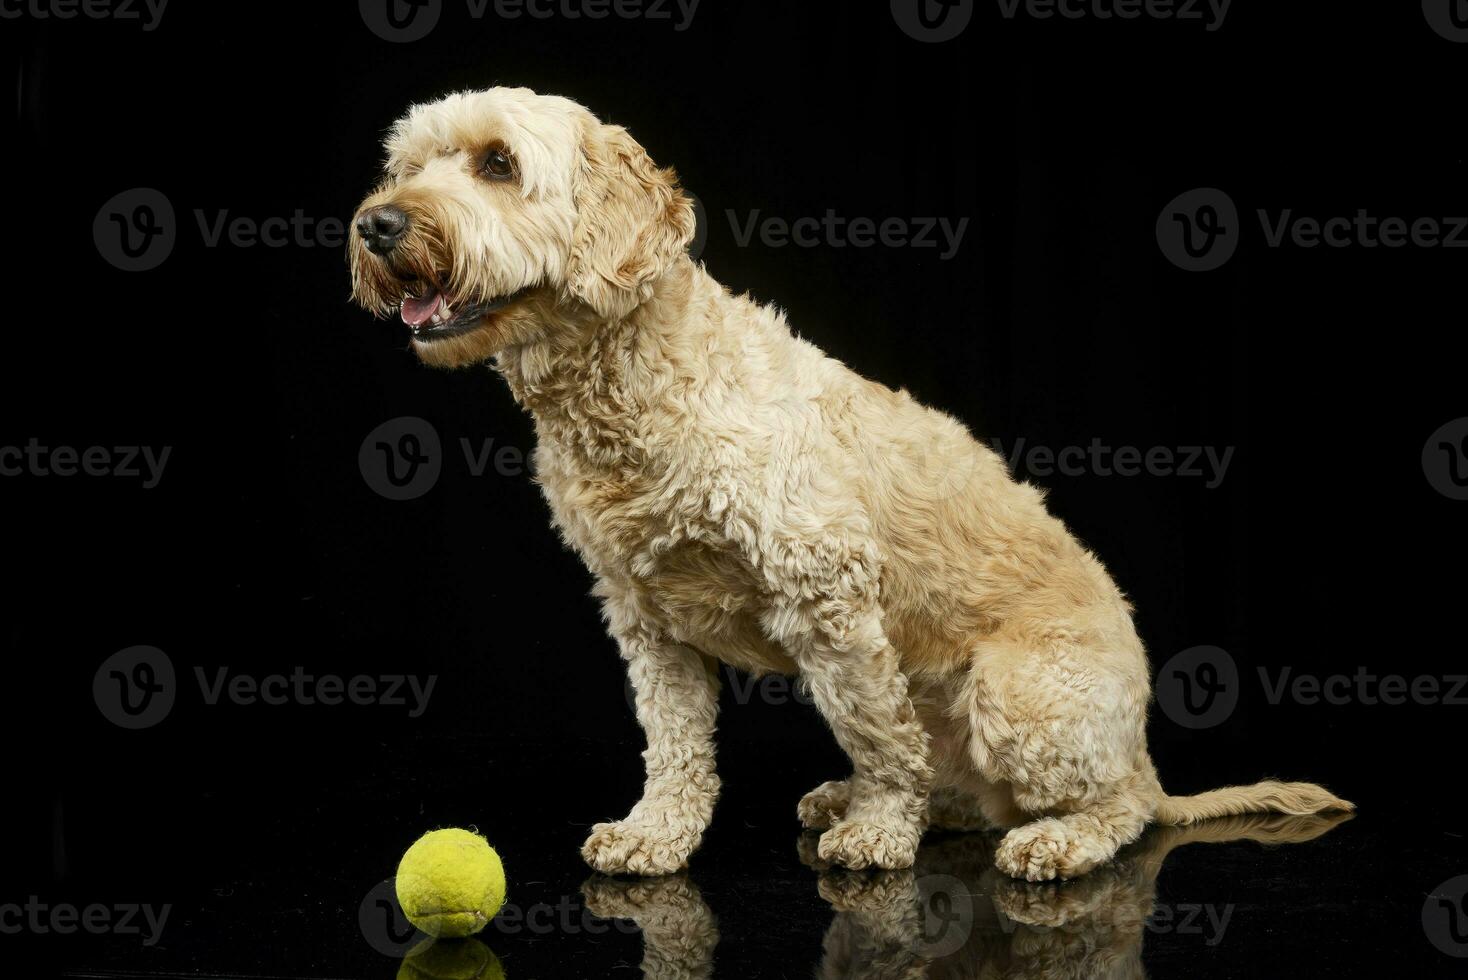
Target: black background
x: 1059, y: 321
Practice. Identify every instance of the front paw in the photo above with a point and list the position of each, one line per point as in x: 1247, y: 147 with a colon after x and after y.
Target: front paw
x: 625, y: 847
x: 856, y: 845
x: 824, y: 805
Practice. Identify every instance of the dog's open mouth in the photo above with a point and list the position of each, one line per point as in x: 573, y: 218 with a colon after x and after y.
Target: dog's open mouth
x: 434, y: 315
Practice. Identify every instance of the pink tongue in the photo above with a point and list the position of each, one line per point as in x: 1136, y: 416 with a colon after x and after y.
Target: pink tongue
x: 417, y: 309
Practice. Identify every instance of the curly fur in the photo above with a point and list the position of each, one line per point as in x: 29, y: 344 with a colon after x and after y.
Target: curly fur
x: 740, y: 495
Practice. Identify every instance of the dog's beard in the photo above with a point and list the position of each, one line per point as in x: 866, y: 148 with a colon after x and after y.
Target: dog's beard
x: 436, y: 296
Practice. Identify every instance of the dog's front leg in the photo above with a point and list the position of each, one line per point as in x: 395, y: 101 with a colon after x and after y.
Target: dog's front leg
x: 677, y: 701
x: 852, y: 673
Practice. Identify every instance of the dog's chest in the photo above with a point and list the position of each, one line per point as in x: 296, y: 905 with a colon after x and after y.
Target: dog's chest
x: 668, y: 548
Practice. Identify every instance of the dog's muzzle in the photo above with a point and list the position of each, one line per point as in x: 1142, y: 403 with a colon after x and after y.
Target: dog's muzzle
x: 382, y: 227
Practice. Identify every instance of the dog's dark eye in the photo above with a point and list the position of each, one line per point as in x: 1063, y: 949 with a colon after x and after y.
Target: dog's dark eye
x: 497, y: 165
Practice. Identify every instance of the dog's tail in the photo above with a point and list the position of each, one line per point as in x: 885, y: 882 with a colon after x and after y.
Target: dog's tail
x: 1270, y: 796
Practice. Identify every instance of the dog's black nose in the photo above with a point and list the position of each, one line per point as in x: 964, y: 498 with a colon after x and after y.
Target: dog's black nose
x: 382, y: 227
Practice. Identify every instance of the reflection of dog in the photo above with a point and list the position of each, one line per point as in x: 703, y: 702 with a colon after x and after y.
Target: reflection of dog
x: 738, y: 494
x: 953, y: 917
x: 678, y: 929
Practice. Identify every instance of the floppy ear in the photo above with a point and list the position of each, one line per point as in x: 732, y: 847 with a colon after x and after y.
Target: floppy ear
x: 632, y: 221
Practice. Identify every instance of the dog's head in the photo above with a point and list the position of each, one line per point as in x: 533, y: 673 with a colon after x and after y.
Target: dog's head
x: 502, y: 209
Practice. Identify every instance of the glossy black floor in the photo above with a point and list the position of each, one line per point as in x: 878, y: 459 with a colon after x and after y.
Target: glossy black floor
x: 284, y: 878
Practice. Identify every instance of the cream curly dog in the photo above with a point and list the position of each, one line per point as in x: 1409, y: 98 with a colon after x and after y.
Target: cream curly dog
x: 739, y: 495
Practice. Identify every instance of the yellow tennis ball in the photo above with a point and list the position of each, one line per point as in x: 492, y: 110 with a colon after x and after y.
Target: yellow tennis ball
x: 450, y: 883
x: 468, y: 959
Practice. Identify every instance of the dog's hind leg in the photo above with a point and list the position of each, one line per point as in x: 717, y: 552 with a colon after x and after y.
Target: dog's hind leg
x: 1073, y: 843
x: 1056, y: 715
x: 677, y: 702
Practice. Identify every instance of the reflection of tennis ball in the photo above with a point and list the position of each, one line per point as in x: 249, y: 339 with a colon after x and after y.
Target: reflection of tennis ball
x: 450, y: 883
x: 466, y: 960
